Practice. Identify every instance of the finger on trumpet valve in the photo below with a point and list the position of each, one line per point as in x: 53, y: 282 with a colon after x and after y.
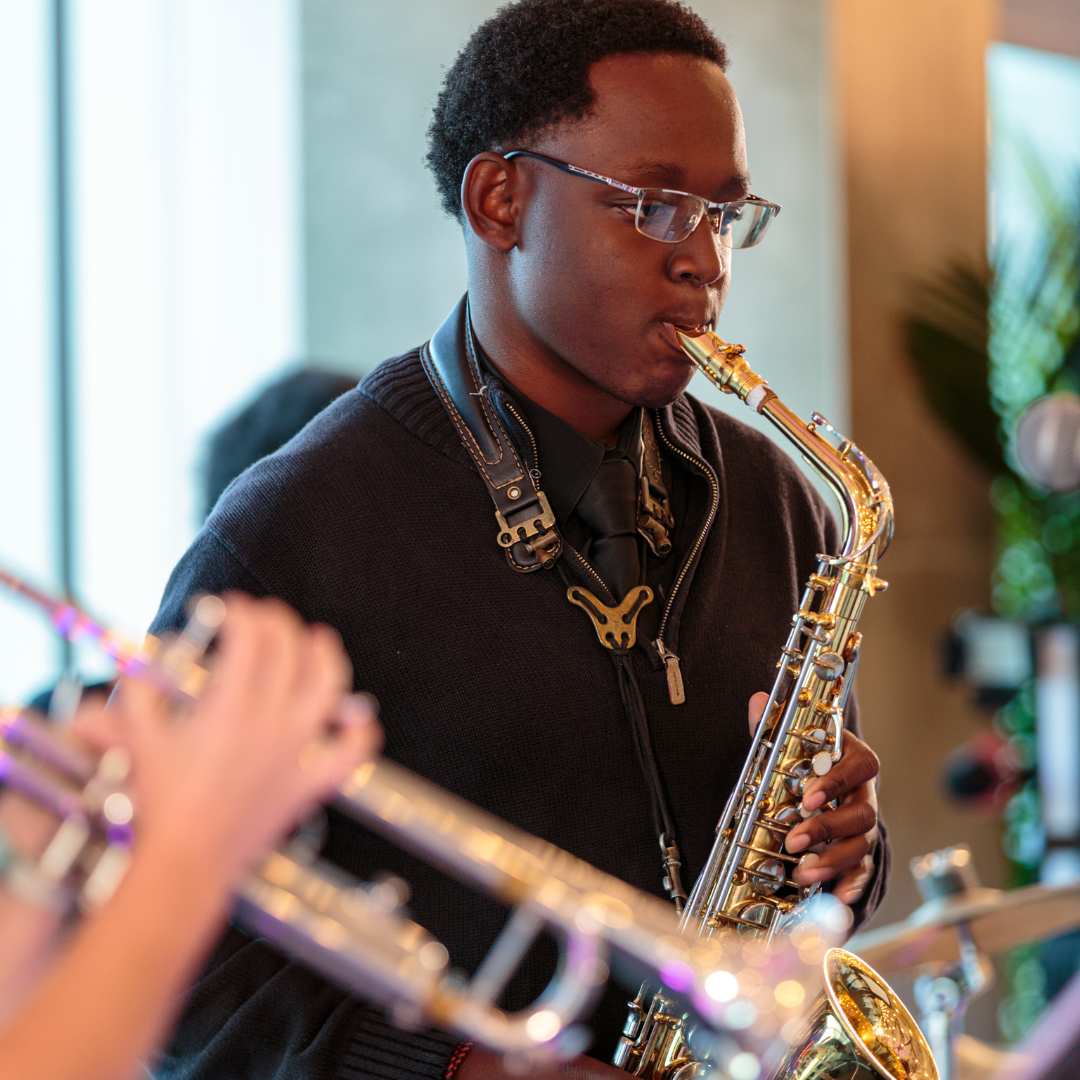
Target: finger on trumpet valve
x: 359, y: 709
x: 176, y: 657
x: 206, y: 614
x: 23, y: 730
x: 388, y: 892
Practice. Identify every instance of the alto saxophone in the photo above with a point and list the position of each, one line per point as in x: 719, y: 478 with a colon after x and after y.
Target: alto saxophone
x: 859, y: 1028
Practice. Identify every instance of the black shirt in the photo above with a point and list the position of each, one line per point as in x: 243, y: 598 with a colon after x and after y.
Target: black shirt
x: 568, y: 461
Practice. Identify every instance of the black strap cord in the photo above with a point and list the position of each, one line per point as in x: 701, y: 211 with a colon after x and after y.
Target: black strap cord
x: 634, y: 709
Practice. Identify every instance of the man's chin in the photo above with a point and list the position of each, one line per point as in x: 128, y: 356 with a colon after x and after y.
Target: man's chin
x: 661, y: 392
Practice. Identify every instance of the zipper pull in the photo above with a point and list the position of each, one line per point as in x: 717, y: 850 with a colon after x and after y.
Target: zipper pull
x: 676, y: 690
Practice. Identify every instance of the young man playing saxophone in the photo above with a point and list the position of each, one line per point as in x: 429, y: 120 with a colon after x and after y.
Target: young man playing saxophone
x: 558, y: 374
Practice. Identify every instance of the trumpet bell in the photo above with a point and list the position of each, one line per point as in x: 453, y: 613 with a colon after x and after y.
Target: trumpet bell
x: 858, y: 1030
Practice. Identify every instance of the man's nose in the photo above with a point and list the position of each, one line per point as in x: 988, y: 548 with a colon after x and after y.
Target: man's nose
x: 702, y: 258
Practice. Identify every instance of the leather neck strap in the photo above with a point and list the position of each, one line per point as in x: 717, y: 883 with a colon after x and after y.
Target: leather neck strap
x: 527, y: 531
x: 526, y: 528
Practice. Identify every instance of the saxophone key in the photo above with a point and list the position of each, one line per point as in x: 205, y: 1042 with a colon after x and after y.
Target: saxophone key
x: 755, y: 915
x: 769, y: 854
x: 725, y: 920
x: 796, y: 775
x: 816, y: 737
x: 784, y: 820
x: 771, y: 826
x: 829, y: 666
x: 768, y: 877
x: 824, y: 619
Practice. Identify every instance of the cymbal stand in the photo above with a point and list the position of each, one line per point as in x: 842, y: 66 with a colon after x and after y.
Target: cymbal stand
x: 942, y: 996
x: 942, y: 999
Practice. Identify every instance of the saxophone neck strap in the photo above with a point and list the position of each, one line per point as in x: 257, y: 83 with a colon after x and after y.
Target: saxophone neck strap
x: 615, y: 625
x: 656, y: 522
x: 525, y: 524
x: 528, y: 534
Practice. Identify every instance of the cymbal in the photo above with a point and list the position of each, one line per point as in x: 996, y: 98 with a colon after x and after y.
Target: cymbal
x: 996, y: 921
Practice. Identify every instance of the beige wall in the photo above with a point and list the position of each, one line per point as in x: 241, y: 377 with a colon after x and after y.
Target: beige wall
x: 912, y: 116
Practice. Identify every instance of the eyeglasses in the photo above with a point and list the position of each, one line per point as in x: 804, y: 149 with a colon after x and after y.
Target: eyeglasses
x: 671, y: 216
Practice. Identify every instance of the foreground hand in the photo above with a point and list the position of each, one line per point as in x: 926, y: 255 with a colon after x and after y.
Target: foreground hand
x: 257, y: 751
x: 484, y: 1065
x: 844, y: 838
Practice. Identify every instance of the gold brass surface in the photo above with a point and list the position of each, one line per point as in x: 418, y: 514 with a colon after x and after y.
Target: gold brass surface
x: 876, y: 1020
x: 616, y: 627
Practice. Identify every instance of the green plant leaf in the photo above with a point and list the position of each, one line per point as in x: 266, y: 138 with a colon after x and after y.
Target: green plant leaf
x: 948, y: 343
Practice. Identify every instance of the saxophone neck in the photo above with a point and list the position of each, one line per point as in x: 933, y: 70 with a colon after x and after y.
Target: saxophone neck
x: 863, y: 494
x: 726, y: 367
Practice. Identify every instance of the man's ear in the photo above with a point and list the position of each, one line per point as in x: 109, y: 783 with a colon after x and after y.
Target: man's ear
x: 490, y: 195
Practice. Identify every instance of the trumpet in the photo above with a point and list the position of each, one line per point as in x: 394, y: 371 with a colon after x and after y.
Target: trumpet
x: 359, y: 935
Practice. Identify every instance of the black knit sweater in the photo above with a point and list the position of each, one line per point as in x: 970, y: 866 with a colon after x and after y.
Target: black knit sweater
x: 373, y: 520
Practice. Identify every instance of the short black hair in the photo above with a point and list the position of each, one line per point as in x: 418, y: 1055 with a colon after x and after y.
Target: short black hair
x: 527, y: 68
x: 266, y: 421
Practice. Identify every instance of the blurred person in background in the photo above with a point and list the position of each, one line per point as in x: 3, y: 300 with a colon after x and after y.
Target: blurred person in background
x: 267, y: 420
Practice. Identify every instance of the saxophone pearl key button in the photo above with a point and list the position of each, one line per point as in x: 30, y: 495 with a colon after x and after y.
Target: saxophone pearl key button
x: 828, y: 666
x: 822, y: 762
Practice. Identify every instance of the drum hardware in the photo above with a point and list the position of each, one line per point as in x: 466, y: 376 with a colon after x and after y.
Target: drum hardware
x: 996, y: 920
x: 948, y: 940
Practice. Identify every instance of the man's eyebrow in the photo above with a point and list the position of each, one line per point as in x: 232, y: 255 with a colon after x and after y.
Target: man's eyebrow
x: 738, y: 187
x: 670, y: 174
x: 660, y: 171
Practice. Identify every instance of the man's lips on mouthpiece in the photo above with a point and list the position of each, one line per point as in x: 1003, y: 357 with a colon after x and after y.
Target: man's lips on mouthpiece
x: 672, y: 330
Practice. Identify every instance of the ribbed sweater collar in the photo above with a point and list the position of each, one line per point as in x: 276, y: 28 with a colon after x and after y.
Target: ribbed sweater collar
x: 400, y: 387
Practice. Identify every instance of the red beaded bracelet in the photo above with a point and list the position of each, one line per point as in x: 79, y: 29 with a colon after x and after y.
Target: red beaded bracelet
x: 460, y: 1054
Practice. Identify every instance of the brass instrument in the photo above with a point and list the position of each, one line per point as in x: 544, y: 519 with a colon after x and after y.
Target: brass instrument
x: 860, y: 1028
x: 358, y: 935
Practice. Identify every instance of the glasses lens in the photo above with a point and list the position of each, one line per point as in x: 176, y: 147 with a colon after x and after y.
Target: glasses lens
x: 743, y: 224
x: 667, y: 215
x: 672, y: 216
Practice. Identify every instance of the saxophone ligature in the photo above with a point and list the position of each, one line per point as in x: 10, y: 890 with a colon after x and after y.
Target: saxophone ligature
x: 359, y: 935
x: 859, y: 1029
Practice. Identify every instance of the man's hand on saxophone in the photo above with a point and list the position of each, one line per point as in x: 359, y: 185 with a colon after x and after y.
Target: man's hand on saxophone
x: 839, y: 843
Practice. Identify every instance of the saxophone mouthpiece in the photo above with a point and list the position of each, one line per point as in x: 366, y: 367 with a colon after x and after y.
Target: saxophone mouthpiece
x: 725, y: 367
